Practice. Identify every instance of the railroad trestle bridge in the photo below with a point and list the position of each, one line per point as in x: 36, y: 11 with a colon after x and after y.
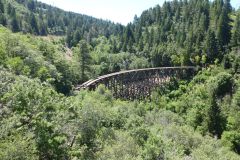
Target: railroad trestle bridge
x: 138, y: 83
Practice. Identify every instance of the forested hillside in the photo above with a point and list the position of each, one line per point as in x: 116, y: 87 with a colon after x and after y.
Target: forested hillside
x: 45, y: 52
x: 177, y: 33
x: 31, y: 16
x: 184, y: 32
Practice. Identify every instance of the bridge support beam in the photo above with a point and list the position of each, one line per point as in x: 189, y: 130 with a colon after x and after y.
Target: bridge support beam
x: 138, y: 84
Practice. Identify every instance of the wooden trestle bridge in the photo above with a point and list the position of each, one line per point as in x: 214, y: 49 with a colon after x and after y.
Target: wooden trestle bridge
x: 138, y: 83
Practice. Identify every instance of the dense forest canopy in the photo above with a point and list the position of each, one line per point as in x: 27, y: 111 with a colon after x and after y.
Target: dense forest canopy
x: 45, y: 52
x: 30, y: 16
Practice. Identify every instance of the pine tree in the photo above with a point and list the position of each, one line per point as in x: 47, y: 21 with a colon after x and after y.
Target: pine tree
x: 15, y: 22
x: 203, y: 23
x: 211, y: 46
x: 1, y: 7
x: 34, y: 24
x: 9, y: 9
x: 138, y: 33
x: 3, y: 20
x: 128, y: 37
x: 114, y: 46
x: 140, y: 44
x: 84, y: 58
x: 156, y: 37
x: 69, y: 37
x: 235, y: 41
x: 224, y: 28
x: 146, y: 36
x: 158, y: 14
x: 151, y: 38
x: 76, y: 37
x: 43, y: 29
x: 215, y: 121
x: 31, y: 5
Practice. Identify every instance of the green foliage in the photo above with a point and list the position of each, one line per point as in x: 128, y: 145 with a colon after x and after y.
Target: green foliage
x: 174, y: 34
x: 221, y: 84
x: 232, y: 140
x: 30, y: 16
x: 93, y: 125
x: 18, y: 146
x: 207, y: 150
x: 196, y: 120
x: 163, y: 35
x: 35, y: 58
x: 153, y: 149
x: 236, y: 32
x: 84, y: 59
x: 211, y: 46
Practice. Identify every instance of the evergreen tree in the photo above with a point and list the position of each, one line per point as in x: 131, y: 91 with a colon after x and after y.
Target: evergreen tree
x: 76, y: 37
x: 140, y: 44
x: 1, y: 7
x: 235, y: 41
x: 151, y: 38
x: 2, y: 16
x: 211, y: 46
x: 69, y: 37
x: 224, y: 28
x: 43, y: 29
x: 31, y: 5
x: 146, y: 36
x: 9, y: 9
x: 34, y: 24
x: 84, y: 59
x: 203, y: 23
x: 128, y: 37
x: 15, y: 23
x: 114, y: 46
x: 216, y: 120
x: 3, y: 20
